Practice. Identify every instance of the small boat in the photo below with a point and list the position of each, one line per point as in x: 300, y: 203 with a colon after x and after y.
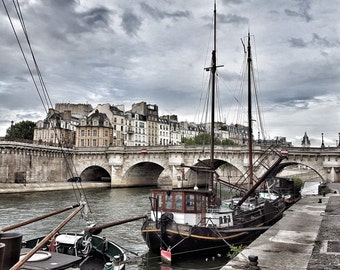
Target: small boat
x: 89, y: 251
x: 59, y: 250
x: 192, y: 221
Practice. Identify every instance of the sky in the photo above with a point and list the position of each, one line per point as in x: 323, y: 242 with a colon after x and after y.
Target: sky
x: 125, y: 52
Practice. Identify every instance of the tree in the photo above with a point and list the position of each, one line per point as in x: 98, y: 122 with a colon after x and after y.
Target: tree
x: 204, y: 139
x: 22, y: 130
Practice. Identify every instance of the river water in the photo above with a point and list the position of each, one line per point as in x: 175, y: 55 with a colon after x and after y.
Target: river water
x: 106, y: 205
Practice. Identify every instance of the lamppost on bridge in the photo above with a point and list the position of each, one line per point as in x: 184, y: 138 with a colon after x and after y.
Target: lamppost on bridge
x: 339, y: 140
x: 322, y: 143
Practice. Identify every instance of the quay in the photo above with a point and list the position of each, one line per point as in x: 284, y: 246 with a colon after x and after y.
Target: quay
x: 35, y: 187
x: 307, y: 237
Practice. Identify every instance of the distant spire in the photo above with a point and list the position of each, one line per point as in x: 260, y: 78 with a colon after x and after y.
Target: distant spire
x: 322, y: 143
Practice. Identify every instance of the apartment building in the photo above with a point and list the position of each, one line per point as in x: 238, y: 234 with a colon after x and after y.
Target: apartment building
x: 135, y: 129
x: 116, y: 116
x: 94, y: 130
x: 152, y: 120
x: 58, y: 128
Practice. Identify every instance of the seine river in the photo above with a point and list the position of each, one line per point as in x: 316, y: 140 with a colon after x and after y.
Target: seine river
x: 107, y: 205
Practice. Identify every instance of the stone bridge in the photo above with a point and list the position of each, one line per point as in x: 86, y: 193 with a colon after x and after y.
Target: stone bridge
x: 137, y: 166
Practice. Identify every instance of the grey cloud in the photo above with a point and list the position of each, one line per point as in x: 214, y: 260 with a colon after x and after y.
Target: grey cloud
x: 97, y: 17
x: 324, y: 42
x: 297, y: 43
x: 316, y: 40
x: 159, y: 14
x: 236, y: 2
x: 131, y: 22
x: 303, y: 7
x: 232, y: 19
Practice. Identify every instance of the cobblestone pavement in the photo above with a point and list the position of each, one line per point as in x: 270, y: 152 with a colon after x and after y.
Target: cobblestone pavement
x: 326, y: 252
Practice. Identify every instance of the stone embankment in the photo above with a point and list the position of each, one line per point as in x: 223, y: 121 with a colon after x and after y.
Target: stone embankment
x: 307, y: 237
x: 34, y: 187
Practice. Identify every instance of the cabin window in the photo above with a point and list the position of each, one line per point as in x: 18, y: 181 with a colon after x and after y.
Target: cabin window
x: 198, y: 203
x: 168, y: 201
x: 190, y: 202
x: 179, y: 201
x: 159, y: 199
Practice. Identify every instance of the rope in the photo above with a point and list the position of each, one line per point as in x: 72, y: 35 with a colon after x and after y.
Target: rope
x: 43, y: 93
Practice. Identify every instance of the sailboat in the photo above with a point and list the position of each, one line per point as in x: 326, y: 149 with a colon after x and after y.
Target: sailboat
x: 189, y: 222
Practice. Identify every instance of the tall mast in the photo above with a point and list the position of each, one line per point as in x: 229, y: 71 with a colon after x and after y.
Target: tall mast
x: 212, y: 122
x: 250, y: 120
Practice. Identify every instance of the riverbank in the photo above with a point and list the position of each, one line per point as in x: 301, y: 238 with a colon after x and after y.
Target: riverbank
x: 307, y: 237
x: 35, y: 187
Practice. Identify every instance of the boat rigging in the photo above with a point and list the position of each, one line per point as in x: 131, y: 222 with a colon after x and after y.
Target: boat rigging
x: 186, y: 221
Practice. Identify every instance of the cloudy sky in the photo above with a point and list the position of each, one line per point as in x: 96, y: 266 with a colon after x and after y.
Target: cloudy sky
x: 123, y: 52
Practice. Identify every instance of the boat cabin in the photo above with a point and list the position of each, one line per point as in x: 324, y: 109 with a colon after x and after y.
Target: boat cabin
x: 188, y: 207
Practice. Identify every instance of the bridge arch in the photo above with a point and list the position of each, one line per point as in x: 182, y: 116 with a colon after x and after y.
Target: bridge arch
x: 95, y: 173
x: 309, y: 169
x: 225, y: 170
x: 143, y: 173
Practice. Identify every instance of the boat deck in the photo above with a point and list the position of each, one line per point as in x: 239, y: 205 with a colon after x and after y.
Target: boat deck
x: 307, y: 237
x: 56, y: 261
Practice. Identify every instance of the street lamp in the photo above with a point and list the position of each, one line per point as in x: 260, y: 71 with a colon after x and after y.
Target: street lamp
x: 322, y: 144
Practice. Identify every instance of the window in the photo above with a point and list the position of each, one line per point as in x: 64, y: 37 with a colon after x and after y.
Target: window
x: 94, y: 142
x: 82, y: 142
x: 159, y: 199
x: 168, y: 201
x: 179, y: 200
x: 190, y: 202
x: 94, y: 133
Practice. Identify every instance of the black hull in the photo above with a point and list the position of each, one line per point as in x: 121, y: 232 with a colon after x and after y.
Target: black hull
x: 186, y: 240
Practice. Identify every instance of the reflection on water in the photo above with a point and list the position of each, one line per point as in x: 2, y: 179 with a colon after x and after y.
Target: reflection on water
x: 106, y: 205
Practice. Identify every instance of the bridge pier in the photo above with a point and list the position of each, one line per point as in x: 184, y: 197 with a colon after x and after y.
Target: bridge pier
x: 333, y: 174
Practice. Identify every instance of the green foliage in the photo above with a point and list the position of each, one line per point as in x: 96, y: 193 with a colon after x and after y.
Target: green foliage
x: 297, y: 183
x: 204, y: 139
x: 22, y: 130
x: 234, y: 251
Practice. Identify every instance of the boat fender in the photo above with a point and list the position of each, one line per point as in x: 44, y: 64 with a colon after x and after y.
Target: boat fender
x: 53, y: 244
x: 108, y: 266
x: 118, y: 258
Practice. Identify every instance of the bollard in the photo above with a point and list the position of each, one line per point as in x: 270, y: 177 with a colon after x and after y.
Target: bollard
x: 253, y: 261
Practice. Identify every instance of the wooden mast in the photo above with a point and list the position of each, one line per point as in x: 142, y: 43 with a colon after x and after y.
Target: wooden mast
x: 212, y: 69
x: 212, y: 122
x: 250, y: 120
